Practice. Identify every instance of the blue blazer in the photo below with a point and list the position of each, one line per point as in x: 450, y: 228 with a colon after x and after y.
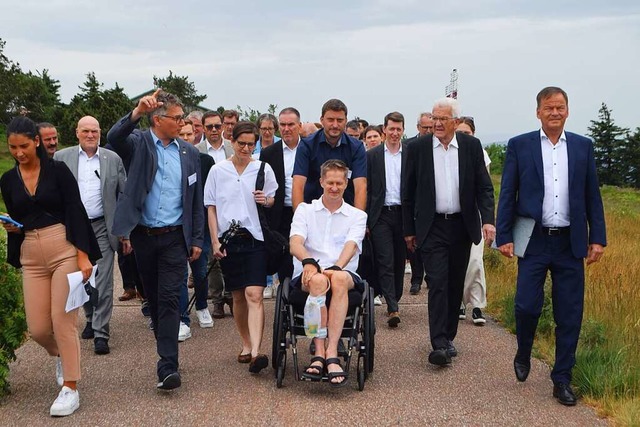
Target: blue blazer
x: 522, y: 192
x: 138, y: 147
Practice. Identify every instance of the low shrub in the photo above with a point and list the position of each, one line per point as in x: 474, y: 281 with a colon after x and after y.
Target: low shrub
x: 13, y: 324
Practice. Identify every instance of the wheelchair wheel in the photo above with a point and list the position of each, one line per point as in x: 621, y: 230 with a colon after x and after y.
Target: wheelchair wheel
x: 361, y: 372
x: 279, y: 333
x: 280, y: 371
x: 369, y: 333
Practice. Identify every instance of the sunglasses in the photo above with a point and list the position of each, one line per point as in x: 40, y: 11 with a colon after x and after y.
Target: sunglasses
x: 210, y: 127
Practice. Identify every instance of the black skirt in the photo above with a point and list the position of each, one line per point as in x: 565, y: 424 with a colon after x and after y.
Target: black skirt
x: 245, y: 263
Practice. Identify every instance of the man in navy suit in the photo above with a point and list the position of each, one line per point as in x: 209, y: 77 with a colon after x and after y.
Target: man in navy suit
x: 550, y: 175
x: 161, y: 209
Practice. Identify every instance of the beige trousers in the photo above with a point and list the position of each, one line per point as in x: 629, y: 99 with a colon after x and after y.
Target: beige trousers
x: 47, y: 257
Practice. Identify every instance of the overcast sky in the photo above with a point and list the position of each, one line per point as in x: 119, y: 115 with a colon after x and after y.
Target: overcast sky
x: 377, y: 56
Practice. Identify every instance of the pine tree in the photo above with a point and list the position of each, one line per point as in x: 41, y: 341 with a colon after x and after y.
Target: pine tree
x: 182, y: 88
x: 608, y: 145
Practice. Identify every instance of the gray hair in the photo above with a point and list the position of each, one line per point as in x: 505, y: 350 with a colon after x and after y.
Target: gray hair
x: 425, y: 114
x: 168, y: 100
x: 451, y: 103
x: 195, y: 116
x: 268, y: 117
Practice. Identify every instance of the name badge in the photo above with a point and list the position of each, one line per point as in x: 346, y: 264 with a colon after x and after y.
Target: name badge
x: 349, y: 172
x: 192, y: 179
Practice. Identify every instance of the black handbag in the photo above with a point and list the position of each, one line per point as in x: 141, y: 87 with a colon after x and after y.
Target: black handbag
x: 276, y: 245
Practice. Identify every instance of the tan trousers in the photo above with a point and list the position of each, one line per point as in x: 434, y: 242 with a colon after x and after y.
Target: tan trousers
x: 47, y: 257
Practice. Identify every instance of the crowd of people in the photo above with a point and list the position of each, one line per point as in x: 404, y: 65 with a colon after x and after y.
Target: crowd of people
x: 207, y: 192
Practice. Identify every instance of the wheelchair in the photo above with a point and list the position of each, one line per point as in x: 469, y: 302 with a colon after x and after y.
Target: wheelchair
x: 358, y: 332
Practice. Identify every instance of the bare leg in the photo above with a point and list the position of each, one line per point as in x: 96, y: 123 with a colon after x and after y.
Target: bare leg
x: 341, y: 282
x: 240, y: 312
x: 255, y: 318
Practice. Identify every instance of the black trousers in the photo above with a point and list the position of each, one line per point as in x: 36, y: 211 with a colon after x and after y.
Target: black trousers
x: 417, y: 269
x: 286, y: 269
x: 390, y: 254
x: 445, y: 255
x: 162, y: 263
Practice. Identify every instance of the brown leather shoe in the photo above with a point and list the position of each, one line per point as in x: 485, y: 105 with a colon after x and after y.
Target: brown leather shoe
x: 218, y: 311
x: 127, y: 295
x: 244, y: 358
x: 393, y: 319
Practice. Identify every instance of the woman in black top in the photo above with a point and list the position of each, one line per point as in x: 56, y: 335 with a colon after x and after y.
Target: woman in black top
x: 56, y: 239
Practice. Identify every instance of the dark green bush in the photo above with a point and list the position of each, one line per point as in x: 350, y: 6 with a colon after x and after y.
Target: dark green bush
x: 13, y: 324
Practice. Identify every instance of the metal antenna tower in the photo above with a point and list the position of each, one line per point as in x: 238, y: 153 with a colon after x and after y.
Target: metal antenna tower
x: 451, y: 91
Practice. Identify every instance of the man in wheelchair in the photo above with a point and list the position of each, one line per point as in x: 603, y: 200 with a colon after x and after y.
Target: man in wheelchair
x: 326, y: 241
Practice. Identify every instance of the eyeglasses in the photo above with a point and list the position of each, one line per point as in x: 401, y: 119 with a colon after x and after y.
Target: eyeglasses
x: 441, y: 119
x: 250, y: 145
x: 210, y: 127
x: 177, y: 119
x: 267, y: 129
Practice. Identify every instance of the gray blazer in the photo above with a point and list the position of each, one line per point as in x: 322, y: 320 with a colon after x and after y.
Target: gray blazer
x: 112, y: 181
x: 228, y: 149
x: 138, y: 145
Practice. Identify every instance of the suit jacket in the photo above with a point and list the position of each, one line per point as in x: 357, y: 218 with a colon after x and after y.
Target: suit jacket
x: 112, y: 181
x: 377, y: 181
x: 418, y: 195
x: 228, y: 149
x: 128, y: 141
x: 274, y: 156
x: 522, y: 192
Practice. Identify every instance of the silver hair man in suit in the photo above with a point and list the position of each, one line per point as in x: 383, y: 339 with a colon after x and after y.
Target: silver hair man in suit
x: 101, y: 178
x: 161, y: 208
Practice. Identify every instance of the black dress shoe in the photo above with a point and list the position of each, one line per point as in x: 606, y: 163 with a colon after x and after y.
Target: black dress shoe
x: 564, y: 394
x: 415, y: 289
x: 439, y: 357
x: 170, y: 382
x: 522, y: 369
x: 451, y: 349
x: 101, y: 346
x: 87, y: 332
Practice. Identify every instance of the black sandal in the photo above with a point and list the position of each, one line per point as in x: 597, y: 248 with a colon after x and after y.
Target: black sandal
x: 320, y: 368
x: 332, y: 375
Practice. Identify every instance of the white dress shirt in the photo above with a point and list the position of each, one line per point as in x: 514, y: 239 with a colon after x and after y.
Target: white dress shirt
x: 89, y: 183
x: 555, y: 165
x: 289, y: 159
x: 446, y: 175
x: 218, y: 154
x: 232, y: 195
x: 326, y: 233
x: 392, y: 169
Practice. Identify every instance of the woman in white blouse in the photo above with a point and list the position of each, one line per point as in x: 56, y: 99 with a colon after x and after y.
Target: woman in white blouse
x: 230, y: 194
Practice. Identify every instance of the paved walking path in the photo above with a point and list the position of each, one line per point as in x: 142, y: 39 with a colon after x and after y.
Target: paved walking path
x: 119, y: 389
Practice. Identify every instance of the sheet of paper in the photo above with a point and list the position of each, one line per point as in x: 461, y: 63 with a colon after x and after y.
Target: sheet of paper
x: 77, y: 295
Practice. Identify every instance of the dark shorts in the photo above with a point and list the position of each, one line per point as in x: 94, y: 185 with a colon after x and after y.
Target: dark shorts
x: 298, y: 296
x: 245, y: 264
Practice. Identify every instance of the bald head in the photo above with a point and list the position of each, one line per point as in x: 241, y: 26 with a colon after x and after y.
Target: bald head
x: 88, y: 134
x: 307, y: 129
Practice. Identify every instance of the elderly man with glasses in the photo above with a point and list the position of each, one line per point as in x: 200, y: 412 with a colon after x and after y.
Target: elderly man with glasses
x: 161, y: 209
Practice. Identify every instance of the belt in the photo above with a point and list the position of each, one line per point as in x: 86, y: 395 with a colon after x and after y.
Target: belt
x: 448, y: 216
x: 392, y: 208
x: 100, y: 218
x: 156, y: 231
x: 555, y: 231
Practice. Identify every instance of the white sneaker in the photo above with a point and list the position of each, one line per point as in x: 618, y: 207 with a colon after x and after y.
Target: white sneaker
x: 377, y: 300
x: 184, y: 333
x: 59, y: 374
x: 268, y: 292
x: 66, y: 403
x: 407, y: 268
x: 204, y: 318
